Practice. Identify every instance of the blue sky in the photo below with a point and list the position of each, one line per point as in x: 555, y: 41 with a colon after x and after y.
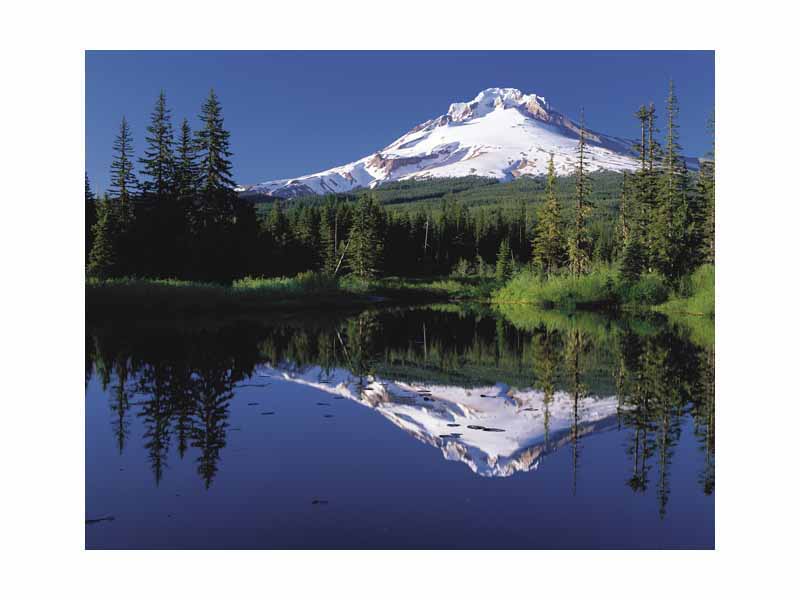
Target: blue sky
x: 293, y: 113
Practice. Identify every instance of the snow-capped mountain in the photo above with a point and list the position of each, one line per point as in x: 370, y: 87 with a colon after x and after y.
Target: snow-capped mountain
x: 502, y: 133
x: 496, y: 431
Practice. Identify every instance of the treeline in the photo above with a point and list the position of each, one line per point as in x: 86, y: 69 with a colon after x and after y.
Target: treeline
x: 666, y: 216
x: 178, y: 216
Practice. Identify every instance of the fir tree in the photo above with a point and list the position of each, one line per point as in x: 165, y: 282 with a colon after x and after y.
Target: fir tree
x: 218, y: 207
x: 548, y: 245
x: 104, y: 256
x: 674, y: 229
x: 307, y: 235
x: 123, y: 180
x: 215, y: 182
x: 158, y: 164
x: 186, y: 170
x: 653, y: 158
x: 279, y: 237
x: 579, y: 245
x: 640, y: 200
x: 504, y: 268
x: 328, y: 235
x: 633, y: 258
x: 365, y: 244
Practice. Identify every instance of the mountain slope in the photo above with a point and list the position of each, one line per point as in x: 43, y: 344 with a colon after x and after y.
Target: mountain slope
x: 502, y: 133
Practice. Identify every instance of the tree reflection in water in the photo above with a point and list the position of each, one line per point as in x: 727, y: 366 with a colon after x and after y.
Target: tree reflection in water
x: 179, y: 381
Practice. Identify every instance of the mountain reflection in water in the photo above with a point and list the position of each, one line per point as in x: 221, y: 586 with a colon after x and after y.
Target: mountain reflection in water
x: 497, y: 393
x: 495, y: 430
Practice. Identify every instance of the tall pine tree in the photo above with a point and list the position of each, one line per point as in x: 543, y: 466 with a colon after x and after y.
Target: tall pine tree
x: 161, y: 219
x: 215, y: 181
x: 504, y: 267
x: 123, y: 186
x: 225, y: 223
x: 328, y: 238
x: 104, y: 255
x: 186, y: 177
x: 548, y: 245
x: 674, y: 232
x: 365, y: 243
x: 123, y: 191
x: 580, y: 244
x: 158, y: 164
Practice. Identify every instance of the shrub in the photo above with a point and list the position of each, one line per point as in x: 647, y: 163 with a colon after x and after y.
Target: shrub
x: 462, y: 269
x: 600, y: 287
x: 648, y: 290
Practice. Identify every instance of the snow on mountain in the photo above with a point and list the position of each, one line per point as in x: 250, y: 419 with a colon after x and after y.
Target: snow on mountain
x: 502, y: 133
x: 496, y: 431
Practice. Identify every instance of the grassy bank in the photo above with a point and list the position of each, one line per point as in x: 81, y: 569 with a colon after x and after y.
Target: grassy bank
x: 604, y: 288
x: 695, y: 297
x: 252, y: 295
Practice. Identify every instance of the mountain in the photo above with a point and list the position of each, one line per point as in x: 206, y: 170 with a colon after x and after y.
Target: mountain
x: 495, y: 431
x: 502, y: 134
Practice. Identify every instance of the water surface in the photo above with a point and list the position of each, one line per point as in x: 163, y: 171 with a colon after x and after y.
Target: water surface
x: 435, y: 427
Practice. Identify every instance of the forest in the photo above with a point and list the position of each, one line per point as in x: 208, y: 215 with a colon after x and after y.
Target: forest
x: 172, y: 214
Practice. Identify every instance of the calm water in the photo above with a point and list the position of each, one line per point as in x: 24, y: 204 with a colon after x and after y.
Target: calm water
x: 432, y: 427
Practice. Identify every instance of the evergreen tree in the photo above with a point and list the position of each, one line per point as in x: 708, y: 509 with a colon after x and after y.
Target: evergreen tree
x: 104, y: 256
x: 675, y: 228
x: 279, y: 237
x: 307, y: 235
x: 504, y: 268
x: 640, y: 202
x: 579, y: 245
x: 122, y: 191
x: 158, y: 164
x: 91, y: 215
x: 123, y: 180
x: 650, y: 180
x: 328, y: 235
x: 160, y: 221
x: 548, y: 245
x: 186, y: 175
x: 215, y: 182
x: 218, y: 208
x: 365, y: 244
x: 633, y: 258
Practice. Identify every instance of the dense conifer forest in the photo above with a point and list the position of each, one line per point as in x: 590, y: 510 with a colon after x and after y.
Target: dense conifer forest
x: 172, y: 213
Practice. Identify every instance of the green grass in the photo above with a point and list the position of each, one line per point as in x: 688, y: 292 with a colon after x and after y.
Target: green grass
x: 695, y: 296
x: 247, y: 295
x: 605, y: 288
x: 250, y: 295
x: 596, y: 290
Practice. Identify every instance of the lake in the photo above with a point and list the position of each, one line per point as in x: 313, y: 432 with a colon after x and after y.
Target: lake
x: 428, y: 427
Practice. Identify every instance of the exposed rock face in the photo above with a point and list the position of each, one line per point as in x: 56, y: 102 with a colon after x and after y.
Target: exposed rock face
x: 502, y: 133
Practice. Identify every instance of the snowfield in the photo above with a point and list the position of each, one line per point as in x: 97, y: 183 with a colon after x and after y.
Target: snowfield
x: 502, y: 133
x: 496, y: 431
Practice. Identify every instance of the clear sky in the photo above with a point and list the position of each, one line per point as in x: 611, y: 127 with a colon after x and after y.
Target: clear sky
x: 294, y: 113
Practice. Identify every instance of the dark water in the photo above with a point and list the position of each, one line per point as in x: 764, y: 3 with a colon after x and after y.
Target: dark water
x: 433, y: 427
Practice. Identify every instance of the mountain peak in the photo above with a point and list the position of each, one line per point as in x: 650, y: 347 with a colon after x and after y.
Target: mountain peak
x: 495, y: 98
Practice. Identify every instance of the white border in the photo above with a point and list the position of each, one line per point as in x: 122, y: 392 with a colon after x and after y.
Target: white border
x: 42, y: 241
